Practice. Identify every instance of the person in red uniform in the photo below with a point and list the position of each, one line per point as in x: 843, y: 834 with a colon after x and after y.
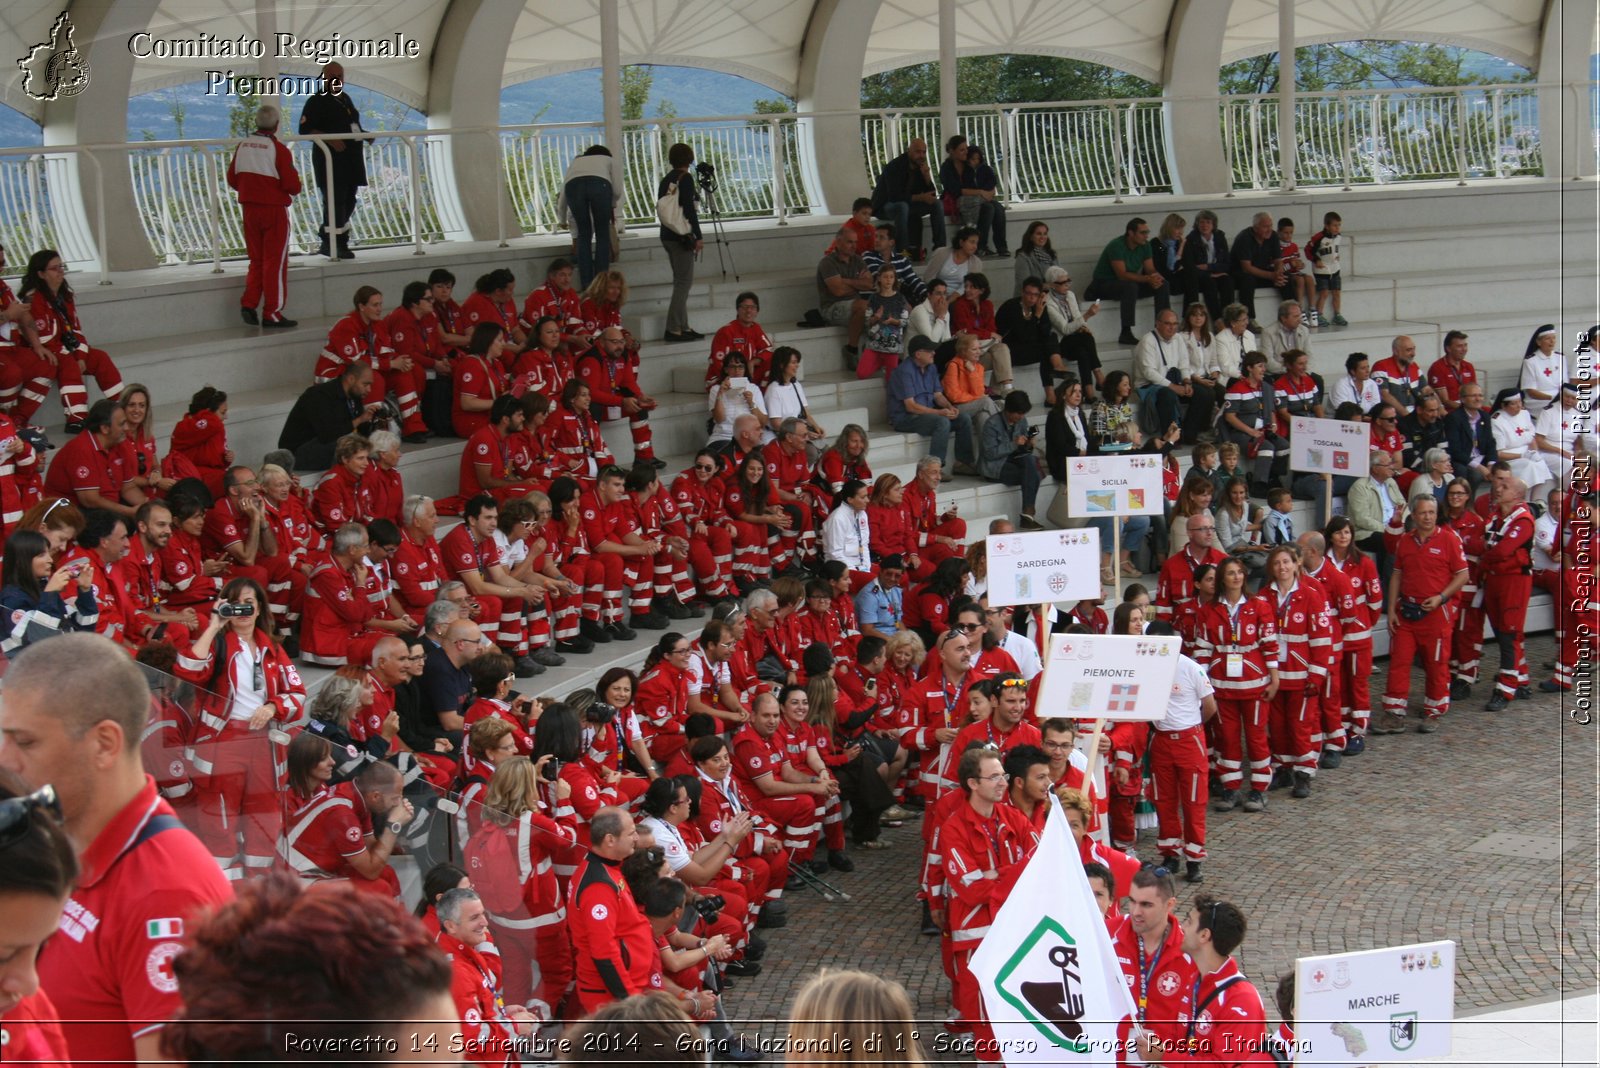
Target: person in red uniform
x: 477, y: 377
x: 544, y: 366
x: 1305, y: 651
x: 657, y: 519
x: 263, y: 175
x: 698, y: 494
x: 188, y: 578
x: 1356, y: 595
x: 1507, y: 587
x: 382, y: 484
x: 90, y: 469
x: 720, y: 803
x: 472, y: 556
x: 1466, y: 644
x: 612, y: 528
x: 201, y: 437
x: 1429, y: 570
x: 250, y: 685
x: 237, y: 531
x: 939, y: 535
x: 557, y: 300
x: 415, y: 335
x: 1149, y: 947
x: 55, y: 317
x: 1004, y: 729
x: 845, y: 461
x: 1237, y: 644
x: 487, y: 1030
x: 340, y: 497
x: 101, y: 544
x: 362, y: 337
x: 75, y: 709
x: 569, y: 543
x: 611, y: 372
x: 493, y: 300
x: 743, y: 336
x: 487, y: 465
x: 573, y: 435
x: 1175, y: 586
x: 789, y: 472
x: 37, y: 870
x: 26, y: 366
x: 329, y: 830
x: 933, y: 712
x: 614, y: 945
x: 1452, y: 370
x: 662, y: 702
x: 419, y: 567
x: 1224, y: 1022
x: 791, y: 798
x: 337, y: 609
x: 985, y: 845
x: 1179, y: 764
x: 144, y: 583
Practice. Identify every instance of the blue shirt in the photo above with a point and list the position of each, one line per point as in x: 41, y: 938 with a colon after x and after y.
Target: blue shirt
x: 878, y: 607
x: 913, y: 383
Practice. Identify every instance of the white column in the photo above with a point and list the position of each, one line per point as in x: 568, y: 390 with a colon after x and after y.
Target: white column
x: 831, y: 61
x: 1286, y: 87
x: 1566, y: 136
x: 1196, y: 155
x: 611, y: 77
x: 949, y: 124
x: 266, y: 26
x: 469, y: 60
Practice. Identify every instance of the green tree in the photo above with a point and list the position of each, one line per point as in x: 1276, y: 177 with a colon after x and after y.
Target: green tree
x: 636, y: 82
x: 1360, y: 65
x: 1003, y: 79
x: 242, y: 112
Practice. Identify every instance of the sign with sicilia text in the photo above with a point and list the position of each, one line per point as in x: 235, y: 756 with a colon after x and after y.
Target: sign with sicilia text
x: 1114, y: 485
x: 1329, y: 446
x: 1105, y: 676
x: 1377, y: 1006
x: 1043, y: 566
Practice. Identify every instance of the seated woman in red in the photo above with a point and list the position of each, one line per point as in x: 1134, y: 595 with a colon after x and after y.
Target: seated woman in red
x: 607, y: 729
x: 928, y: 605
x: 477, y: 377
x: 139, y: 448
x: 202, y: 438
x: 574, y: 792
x: 492, y: 675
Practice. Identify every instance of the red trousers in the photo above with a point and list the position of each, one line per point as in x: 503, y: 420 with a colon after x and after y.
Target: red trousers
x: 590, y: 575
x: 520, y: 949
x: 1180, y: 768
x: 969, y: 1004
x: 266, y: 242
x: 751, y: 560
x: 712, y: 560
x: 1242, y: 728
x: 1294, y: 717
x: 1466, y: 643
x: 408, y: 387
x: 1505, y: 603
x: 1429, y: 636
x: 237, y: 786
x: 1355, y: 688
x: 799, y: 819
x: 1330, y: 733
x: 33, y: 376
x: 932, y: 554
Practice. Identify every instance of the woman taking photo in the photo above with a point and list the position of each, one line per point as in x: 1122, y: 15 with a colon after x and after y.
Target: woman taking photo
x: 681, y: 247
x: 734, y: 395
x: 34, y: 597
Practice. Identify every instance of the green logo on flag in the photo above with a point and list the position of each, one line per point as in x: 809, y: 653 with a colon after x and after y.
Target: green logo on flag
x: 1042, y: 980
x: 1403, y: 1030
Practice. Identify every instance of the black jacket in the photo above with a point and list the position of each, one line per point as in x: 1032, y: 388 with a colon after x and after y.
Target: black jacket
x: 898, y: 181
x: 1458, y: 439
x: 1030, y: 340
x: 323, y: 413
x: 1419, y: 439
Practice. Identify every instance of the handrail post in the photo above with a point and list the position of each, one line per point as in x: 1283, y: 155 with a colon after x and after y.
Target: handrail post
x: 164, y: 173
x: 1375, y: 132
x: 215, y: 204
x: 1345, y: 147
x: 779, y: 153
x: 1496, y: 116
x: 1230, y: 140
x: 1116, y: 158
x: 416, y: 194
x: 333, y: 243
x: 1008, y: 145
x: 891, y: 135
x: 501, y: 196
x: 1460, y: 137
x: 100, y: 216
x: 1255, y: 143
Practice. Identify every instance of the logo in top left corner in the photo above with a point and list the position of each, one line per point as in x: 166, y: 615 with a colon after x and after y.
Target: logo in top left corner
x: 55, y: 69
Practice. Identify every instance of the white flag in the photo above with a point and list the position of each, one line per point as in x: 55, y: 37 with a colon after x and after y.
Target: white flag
x: 1050, y: 979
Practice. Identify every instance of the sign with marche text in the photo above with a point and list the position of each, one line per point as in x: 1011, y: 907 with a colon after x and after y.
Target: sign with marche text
x: 1107, y: 676
x: 1051, y: 985
x: 1377, y: 1006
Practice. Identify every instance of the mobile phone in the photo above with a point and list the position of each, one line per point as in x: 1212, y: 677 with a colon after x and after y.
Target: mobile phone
x: 1096, y: 303
x: 552, y: 771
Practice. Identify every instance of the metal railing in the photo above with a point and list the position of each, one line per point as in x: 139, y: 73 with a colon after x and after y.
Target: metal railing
x: 1390, y: 135
x: 1039, y: 151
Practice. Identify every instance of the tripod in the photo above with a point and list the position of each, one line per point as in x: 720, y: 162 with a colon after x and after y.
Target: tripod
x: 708, y: 186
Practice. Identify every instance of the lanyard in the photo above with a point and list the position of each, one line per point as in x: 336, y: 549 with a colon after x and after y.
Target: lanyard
x: 950, y: 699
x: 886, y: 601
x: 991, y: 831
x: 1284, y: 600
x: 477, y: 550
x: 1234, y: 611
x: 1145, y: 971
x: 371, y: 337
x: 1200, y: 1006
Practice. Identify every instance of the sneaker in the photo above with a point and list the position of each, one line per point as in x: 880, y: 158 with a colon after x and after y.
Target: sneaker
x: 249, y: 316
x: 1524, y: 693
x: 280, y: 324
x: 1331, y: 758
x: 1313, y: 320
x: 648, y: 621
x: 620, y: 632
x: 547, y: 657
x: 743, y: 968
x: 595, y: 631
x: 1498, y: 702
x: 1281, y: 777
x: 1302, y: 785
x: 1355, y: 745
x: 1339, y: 320
x: 1460, y: 690
x: 576, y: 647
x: 898, y: 812
x: 1030, y: 523
x: 1388, y: 723
x: 1428, y: 725
x: 1255, y: 801
x: 1226, y: 801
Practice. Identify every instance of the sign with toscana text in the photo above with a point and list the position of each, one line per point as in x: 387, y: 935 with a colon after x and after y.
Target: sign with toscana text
x: 1329, y: 446
x: 1377, y: 1006
x: 1114, y: 485
x: 1105, y: 676
x: 1043, y: 566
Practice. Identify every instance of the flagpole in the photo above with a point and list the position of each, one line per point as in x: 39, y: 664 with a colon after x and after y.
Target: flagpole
x: 1094, y: 756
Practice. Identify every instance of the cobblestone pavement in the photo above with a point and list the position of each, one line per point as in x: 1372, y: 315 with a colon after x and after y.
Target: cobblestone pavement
x: 1379, y: 855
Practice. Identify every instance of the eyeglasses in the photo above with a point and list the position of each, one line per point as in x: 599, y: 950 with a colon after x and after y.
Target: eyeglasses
x: 14, y: 812
x: 966, y: 628
x: 1057, y: 746
x: 998, y: 776
x: 705, y: 467
x: 419, y: 658
x: 679, y: 652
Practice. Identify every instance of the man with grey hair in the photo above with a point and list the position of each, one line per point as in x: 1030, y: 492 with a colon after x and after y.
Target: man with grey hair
x: 613, y: 940
x: 419, y: 570
x: 1507, y: 563
x: 1288, y: 333
x: 761, y: 611
x: 337, y: 608
x: 262, y: 173
x: 1257, y: 262
x: 789, y: 471
x: 73, y: 714
x: 463, y: 928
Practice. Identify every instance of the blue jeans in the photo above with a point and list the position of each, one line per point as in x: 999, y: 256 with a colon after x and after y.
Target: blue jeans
x: 1134, y: 529
x: 908, y: 214
x: 938, y: 430
x: 589, y: 198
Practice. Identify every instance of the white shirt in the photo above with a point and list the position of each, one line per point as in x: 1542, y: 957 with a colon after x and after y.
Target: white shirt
x: 846, y: 537
x: 924, y: 322
x: 1023, y: 652
x: 1154, y: 355
x: 1199, y: 356
x: 1543, y: 373
x: 1506, y: 436
x: 733, y: 406
x: 1544, y: 544
x: 706, y: 677
x: 786, y: 401
x: 1568, y: 428
x: 668, y: 837
x: 510, y: 555
x: 1190, y: 687
x: 246, y: 698
x: 1366, y: 394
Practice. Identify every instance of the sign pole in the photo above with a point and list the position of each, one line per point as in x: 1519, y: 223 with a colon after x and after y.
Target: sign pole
x: 1094, y: 757
x: 1327, y: 511
x: 1116, y: 557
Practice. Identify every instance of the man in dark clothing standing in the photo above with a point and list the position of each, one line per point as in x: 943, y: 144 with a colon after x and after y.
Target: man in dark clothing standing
x: 906, y: 192
x: 333, y: 112
x: 325, y: 413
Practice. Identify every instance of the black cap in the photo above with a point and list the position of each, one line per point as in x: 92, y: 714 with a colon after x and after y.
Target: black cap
x: 892, y: 562
x: 920, y: 343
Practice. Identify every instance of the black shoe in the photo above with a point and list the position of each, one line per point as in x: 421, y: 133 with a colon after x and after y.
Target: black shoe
x: 249, y: 316
x: 672, y: 336
x: 648, y: 621
x: 1127, y: 338
x: 653, y: 462
x: 1169, y: 861
x: 755, y: 949
x: 576, y: 647
x: 1030, y: 523
x: 1255, y: 801
x: 1281, y: 778
x: 345, y: 253
x: 737, y: 1051
x: 839, y: 860
x: 928, y: 926
x: 419, y: 438
x: 621, y: 632
x: 744, y: 968
x: 291, y: 647
x: 818, y: 865
x: 1498, y: 702
x: 1226, y: 801
x: 322, y: 249
x: 595, y: 631
x: 1191, y: 872
x: 670, y: 607
x: 280, y: 324
x: 796, y: 882
x: 1552, y: 686
x: 74, y: 426
x: 1460, y: 690
x: 526, y: 668
x: 769, y: 920
x: 1524, y: 693
x: 1355, y: 746
x: 547, y: 657
x: 1331, y: 758
x: 1302, y: 784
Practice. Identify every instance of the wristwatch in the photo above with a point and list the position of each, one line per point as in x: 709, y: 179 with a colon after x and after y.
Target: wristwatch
x: 396, y: 827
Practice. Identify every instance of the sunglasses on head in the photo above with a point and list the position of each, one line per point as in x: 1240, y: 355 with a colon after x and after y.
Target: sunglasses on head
x: 1015, y: 681
x: 14, y: 812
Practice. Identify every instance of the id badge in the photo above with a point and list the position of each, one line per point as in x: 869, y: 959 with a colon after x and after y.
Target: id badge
x: 1235, y: 665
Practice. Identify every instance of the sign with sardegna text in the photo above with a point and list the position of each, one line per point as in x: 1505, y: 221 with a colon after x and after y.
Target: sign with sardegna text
x: 1105, y: 676
x: 1375, y: 1007
x: 1114, y: 485
x: 1043, y: 566
x: 1329, y: 446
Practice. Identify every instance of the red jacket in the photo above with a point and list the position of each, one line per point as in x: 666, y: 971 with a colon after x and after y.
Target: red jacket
x: 538, y: 371
x: 609, y: 381
x: 972, y: 845
x: 414, y: 337
x: 1251, y: 634
x: 750, y: 342
x: 479, y: 308
x: 203, y: 438
x: 833, y: 471
x: 662, y: 704
x: 262, y: 171
x: 354, y: 340
x: 575, y: 439
x: 385, y: 492
x: 965, y: 318
x: 891, y: 530
x: 1508, y: 544
x: 336, y: 611
x: 1023, y: 733
x: 1356, y: 595
x: 698, y: 502
x: 182, y: 578
x: 615, y: 949
x: 475, y: 987
x: 1224, y: 1021
x: 1175, y: 587
x: 418, y: 571
x: 340, y: 498
x: 480, y: 378
x: 1305, y: 635
x: 562, y: 305
x: 1158, y: 983
x: 284, y: 685
x: 786, y: 470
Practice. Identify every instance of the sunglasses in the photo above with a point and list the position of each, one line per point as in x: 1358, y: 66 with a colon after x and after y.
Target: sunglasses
x: 704, y: 467
x: 14, y: 812
x: 1005, y: 683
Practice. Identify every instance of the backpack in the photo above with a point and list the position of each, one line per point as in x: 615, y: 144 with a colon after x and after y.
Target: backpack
x: 495, y: 869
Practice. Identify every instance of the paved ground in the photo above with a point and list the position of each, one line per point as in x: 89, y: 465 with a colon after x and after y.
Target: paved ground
x: 1381, y: 854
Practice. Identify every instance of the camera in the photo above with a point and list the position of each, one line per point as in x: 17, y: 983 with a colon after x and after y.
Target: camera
x: 70, y: 341
x: 706, y: 175
x: 600, y: 713
x: 552, y: 771
x: 1033, y: 431
x: 229, y: 610
x: 709, y: 907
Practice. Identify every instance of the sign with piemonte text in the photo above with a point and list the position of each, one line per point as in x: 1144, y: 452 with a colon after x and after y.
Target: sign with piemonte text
x: 1114, y: 485
x: 1377, y: 1006
x: 1106, y: 676
x: 1043, y: 566
x: 1329, y: 446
